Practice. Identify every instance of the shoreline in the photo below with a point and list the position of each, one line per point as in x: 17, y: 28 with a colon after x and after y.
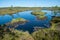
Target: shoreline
x: 12, y: 10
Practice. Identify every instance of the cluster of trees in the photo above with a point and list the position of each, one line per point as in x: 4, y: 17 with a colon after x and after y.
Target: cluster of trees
x: 54, y: 9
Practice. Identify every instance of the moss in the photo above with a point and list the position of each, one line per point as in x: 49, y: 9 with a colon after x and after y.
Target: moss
x: 18, y: 35
x: 40, y: 15
x: 14, y: 34
x: 45, y: 34
x: 51, y: 33
x: 17, y: 20
x: 55, y: 19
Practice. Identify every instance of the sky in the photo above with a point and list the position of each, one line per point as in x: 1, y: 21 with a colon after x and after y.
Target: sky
x: 29, y: 3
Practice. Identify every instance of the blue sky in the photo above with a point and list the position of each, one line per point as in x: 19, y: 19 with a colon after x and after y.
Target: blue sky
x: 29, y: 3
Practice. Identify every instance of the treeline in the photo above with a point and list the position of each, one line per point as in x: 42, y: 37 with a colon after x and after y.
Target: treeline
x: 50, y: 8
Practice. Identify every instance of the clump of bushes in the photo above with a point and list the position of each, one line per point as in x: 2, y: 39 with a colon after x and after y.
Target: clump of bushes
x: 42, y: 34
x: 46, y: 35
x: 39, y: 14
x: 13, y: 34
x: 17, y: 35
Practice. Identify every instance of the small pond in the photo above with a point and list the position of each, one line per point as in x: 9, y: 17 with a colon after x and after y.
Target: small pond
x: 33, y: 22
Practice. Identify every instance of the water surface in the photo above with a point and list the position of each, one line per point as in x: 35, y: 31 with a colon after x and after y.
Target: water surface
x: 33, y: 22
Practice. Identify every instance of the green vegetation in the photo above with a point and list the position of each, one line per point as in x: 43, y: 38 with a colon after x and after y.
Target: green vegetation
x: 51, y: 33
x: 55, y: 19
x: 54, y: 9
x: 45, y: 34
x: 12, y: 34
x: 55, y: 23
x: 39, y: 14
x: 12, y: 10
x: 16, y: 22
